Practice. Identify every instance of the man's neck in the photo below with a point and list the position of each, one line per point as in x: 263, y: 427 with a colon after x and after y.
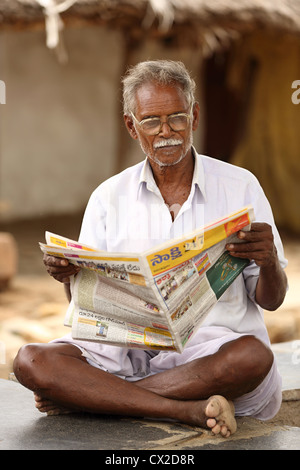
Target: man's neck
x: 174, y: 182
x: 174, y: 175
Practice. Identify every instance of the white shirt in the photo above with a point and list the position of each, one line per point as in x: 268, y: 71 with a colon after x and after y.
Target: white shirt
x: 127, y: 213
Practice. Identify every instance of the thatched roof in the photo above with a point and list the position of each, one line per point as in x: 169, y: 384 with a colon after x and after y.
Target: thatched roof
x: 192, y: 21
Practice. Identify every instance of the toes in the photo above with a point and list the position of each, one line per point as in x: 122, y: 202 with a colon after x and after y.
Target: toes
x: 211, y: 422
x: 224, y: 431
x: 221, y: 429
x: 54, y: 412
x: 43, y: 405
x: 220, y: 414
x: 216, y: 429
x: 43, y: 408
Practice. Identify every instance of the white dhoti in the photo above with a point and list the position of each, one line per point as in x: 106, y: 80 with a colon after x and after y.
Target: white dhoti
x: 134, y: 364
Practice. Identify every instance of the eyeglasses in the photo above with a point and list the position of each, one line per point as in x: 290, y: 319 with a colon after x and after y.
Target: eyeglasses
x: 152, y: 126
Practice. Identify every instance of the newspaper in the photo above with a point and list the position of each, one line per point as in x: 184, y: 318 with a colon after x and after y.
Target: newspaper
x: 151, y: 300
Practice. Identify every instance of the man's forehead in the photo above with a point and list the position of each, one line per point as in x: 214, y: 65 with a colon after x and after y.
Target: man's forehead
x: 155, y: 98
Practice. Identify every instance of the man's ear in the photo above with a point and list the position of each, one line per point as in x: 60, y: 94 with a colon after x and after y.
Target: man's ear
x: 196, y: 115
x: 130, y: 126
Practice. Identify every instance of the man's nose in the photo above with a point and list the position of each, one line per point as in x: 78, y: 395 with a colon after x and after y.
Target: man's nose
x: 166, y: 130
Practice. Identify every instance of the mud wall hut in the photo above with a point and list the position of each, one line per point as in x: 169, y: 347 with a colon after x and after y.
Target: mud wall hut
x: 61, y: 128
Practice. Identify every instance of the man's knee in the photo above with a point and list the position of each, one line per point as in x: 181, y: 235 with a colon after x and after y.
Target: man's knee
x: 260, y: 356
x: 26, y: 365
x: 36, y: 365
x: 251, y: 354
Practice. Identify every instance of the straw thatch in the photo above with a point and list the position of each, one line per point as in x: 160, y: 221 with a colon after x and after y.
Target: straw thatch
x: 163, y: 16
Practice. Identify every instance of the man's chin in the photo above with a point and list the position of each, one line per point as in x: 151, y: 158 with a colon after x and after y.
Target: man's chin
x: 167, y: 161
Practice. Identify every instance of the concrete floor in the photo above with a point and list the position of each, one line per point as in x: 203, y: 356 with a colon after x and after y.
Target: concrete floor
x: 22, y: 427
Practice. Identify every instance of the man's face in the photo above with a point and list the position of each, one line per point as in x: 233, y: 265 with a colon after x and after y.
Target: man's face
x: 168, y: 147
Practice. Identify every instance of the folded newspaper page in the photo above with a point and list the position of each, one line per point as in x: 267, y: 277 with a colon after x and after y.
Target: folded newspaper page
x: 151, y: 300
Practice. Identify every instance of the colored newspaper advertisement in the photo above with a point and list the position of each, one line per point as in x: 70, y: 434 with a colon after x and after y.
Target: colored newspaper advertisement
x: 151, y: 300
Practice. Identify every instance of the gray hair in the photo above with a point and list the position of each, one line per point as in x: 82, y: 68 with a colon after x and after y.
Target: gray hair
x: 163, y: 72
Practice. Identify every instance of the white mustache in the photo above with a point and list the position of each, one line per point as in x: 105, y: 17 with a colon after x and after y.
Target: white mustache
x: 166, y: 143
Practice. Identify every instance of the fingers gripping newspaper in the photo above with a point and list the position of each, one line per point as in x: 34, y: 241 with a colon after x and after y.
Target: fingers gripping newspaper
x: 156, y: 299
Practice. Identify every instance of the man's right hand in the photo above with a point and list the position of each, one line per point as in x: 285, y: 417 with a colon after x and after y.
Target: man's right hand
x: 60, y: 268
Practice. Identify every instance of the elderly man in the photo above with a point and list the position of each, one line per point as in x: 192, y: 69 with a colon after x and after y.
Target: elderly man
x: 227, y: 368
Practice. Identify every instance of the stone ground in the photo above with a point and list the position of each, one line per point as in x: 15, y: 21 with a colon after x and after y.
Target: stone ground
x: 24, y: 428
x: 32, y: 308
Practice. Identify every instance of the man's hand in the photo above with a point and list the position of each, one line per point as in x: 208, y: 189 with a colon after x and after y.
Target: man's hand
x: 258, y: 245
x: 60, y: 268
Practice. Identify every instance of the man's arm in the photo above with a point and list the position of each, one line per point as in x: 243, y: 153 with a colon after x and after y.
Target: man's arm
x: 259, y: 246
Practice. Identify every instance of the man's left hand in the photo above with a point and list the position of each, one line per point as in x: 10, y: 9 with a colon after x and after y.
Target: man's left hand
x: 257, y: 245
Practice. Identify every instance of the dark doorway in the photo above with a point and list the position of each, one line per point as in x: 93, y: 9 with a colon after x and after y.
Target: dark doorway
x: 225, y: 108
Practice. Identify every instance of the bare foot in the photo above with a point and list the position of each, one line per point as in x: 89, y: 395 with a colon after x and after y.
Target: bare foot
x: 44, y: 405
x: 216, y: 413
x: 220, y: 414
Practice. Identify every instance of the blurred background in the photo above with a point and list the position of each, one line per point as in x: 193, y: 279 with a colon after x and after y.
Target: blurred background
x: 62, y: 132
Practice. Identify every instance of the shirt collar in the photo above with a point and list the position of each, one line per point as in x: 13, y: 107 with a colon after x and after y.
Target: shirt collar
x: 146, y: 176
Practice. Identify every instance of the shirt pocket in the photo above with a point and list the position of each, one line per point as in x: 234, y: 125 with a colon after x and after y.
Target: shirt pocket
x: 234, y: 293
